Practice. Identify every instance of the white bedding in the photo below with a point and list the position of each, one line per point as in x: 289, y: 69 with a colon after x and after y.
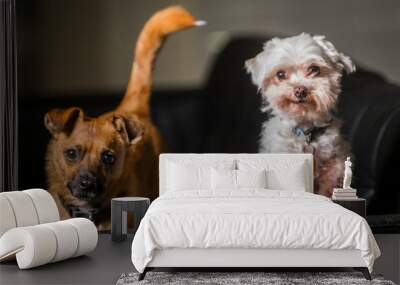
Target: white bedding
x: 250, y: 219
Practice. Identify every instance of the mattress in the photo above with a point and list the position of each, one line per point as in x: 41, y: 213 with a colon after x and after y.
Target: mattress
x: 251, y: 219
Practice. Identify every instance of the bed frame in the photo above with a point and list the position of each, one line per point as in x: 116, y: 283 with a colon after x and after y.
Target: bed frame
x: 248, y: 259
x: 242, y: 259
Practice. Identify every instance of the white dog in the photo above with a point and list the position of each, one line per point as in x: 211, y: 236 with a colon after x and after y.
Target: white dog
x: 299, y: 79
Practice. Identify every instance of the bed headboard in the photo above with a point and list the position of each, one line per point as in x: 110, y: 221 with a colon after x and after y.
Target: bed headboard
x: 164, y: 158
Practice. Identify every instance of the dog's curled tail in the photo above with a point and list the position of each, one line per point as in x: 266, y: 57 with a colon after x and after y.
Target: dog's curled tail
x: 162, y: 23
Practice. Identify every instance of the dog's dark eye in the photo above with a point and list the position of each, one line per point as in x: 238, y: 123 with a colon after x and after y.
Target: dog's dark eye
x: 108, y: 157
x: 281, y: 75
x: 72, y: 154
x: 314, y: 70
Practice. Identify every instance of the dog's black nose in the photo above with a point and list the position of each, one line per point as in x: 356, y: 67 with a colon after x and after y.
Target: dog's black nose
x: 86, y: 180
x: 300, y: 92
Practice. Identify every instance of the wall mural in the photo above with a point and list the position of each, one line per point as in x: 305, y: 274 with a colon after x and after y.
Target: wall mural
x: 98, y: 145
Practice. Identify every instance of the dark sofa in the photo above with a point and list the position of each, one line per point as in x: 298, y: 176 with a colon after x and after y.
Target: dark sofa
x: 225, y: 116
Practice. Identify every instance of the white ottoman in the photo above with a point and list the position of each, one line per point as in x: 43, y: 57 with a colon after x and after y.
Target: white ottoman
x: 37, y: 245
x: 26, y: 208
x: 31, y: 232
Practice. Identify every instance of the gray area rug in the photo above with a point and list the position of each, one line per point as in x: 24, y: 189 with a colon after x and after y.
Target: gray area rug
x: 273, y: 278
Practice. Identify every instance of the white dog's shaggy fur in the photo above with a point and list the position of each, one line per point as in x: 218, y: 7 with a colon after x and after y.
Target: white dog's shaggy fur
x: 299, y: 79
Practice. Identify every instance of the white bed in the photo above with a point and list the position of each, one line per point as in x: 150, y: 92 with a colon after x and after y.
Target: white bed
x: 248, y: 227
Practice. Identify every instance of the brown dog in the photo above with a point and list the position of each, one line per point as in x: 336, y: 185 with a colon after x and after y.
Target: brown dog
x: 91, y: 160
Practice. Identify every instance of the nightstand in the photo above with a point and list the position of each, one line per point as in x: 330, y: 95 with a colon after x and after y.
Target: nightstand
x: 357, y: 205
x: 119, y: 208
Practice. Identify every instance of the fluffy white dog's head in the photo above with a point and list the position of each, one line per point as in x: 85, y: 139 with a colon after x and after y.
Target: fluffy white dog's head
x: 299, y: 76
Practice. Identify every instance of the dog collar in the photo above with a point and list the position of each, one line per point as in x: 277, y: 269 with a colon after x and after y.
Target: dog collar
x: 77, y: 212
x: 309, y: 134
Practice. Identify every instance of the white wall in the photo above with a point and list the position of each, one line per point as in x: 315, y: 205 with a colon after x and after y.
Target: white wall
x: 87, y: 45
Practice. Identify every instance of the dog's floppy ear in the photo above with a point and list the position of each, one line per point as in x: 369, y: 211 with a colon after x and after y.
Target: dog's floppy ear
x: 253, y: 68
x: 249, y: 65
x: 130, y: 129
x: 343, y: 61
x: 62, y: 120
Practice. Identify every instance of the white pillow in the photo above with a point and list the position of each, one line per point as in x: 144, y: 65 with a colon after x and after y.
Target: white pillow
x: 193, y: 175
x: 181, y: 178
x: 236, y: 179
x: 282, y: 174
x: 251, y: 179
x: 223, y: 179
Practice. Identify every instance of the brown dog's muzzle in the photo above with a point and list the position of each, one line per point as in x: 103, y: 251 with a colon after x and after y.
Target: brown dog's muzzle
x: 85, y: 186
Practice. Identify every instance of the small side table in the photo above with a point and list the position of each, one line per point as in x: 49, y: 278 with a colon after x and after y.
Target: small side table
x: 357, y: 205
x: 119, y: 208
